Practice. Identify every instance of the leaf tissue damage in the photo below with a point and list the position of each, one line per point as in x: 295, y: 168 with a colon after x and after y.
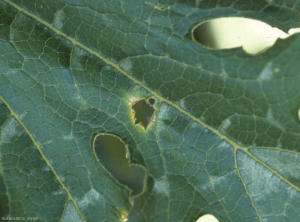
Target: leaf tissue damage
x: 143, y: 112
x: 226, y: 135
x: 230, y: 32
x: 113, y: 154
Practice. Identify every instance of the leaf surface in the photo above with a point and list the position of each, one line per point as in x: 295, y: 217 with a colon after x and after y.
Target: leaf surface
x: 225, y: 140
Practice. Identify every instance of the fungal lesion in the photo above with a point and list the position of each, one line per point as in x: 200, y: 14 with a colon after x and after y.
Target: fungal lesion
x: 143, y: 111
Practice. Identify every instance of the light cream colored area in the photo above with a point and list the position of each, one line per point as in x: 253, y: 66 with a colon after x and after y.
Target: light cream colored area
x: 207, y: 218
x: 253, y: 35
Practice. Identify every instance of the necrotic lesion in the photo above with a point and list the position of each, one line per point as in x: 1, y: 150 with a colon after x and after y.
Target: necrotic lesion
x: 144, y: 112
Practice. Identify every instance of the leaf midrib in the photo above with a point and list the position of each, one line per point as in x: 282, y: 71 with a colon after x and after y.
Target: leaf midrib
x: 162, y: 99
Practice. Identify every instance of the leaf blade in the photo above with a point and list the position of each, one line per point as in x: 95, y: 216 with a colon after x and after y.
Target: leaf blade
x: 165, y: 74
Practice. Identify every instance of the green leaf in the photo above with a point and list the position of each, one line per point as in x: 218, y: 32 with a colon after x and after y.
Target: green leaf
x: 225, y: 139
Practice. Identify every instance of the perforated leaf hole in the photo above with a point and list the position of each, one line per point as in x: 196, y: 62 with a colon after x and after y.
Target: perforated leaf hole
x: 113, y: 154
x: 226, y: 33
x: 143, y: 112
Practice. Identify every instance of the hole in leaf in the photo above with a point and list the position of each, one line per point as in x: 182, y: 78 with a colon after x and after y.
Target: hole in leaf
x: 143, y: 111
x: 226, y: 33
x: 114, y: 156
x: 207, y: 218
